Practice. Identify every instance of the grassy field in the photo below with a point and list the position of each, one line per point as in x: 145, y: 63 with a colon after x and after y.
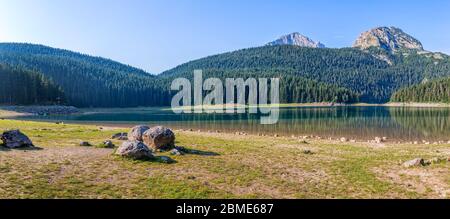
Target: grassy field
x: 242, y: 167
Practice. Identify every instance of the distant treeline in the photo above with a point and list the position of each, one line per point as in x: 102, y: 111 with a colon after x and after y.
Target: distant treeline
x: 23, y: 87
x: 436, y: 91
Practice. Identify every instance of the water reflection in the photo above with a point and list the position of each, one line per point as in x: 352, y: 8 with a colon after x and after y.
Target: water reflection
x: 407, y: 124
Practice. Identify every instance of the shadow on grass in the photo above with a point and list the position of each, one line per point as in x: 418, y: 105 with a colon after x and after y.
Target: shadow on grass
x: 196, y: 152
x: 155, y: 159
x: 3, y: 148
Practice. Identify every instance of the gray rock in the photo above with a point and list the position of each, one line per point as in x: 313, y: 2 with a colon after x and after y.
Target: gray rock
x: 85, y: 144
x: 309, y: 152
x: 15, y: 139
x: 137, y: 132
x: 134, y: 150
x: 108, y: 144
x: 378, y: 140
x: 122, y: 136
x: 414, y: 163
x: 176, y: 152
x: 159, y: 138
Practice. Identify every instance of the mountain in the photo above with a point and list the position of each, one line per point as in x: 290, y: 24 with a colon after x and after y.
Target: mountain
x: 359, y: 71
x: 86, y: 81
x: 296, y: 39
x: 391, y: 39
x: 435, y: 91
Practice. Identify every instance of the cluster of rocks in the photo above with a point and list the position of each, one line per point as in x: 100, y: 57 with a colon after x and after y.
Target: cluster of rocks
x: 420, y: 162
x: 122, y: 136
x: 15, y: 139
x: 43, y: 110
x: 142, y: 142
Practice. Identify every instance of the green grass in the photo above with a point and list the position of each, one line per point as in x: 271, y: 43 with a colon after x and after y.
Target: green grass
x: 243, y: 167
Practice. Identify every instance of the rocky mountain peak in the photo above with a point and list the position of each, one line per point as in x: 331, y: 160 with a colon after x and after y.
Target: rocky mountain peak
x: 296, y: 39
x: 387, y: 38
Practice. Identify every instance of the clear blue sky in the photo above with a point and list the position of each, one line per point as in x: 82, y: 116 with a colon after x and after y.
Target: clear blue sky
x: 158, y: 35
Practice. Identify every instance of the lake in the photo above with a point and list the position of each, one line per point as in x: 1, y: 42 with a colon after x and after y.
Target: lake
x: 353, y: 122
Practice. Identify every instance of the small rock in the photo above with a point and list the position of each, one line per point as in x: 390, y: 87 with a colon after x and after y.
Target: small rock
x: 176, y: 152
x: 378, y: 140
x: 307, y: 152
x: 85, y: 144
x: 15, y: 139
x: 414, y: 163
x: 108, y: 144
x: 343, y: 139
x: 122, y: 136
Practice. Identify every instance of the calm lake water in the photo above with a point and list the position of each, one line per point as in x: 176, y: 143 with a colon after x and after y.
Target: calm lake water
x: 362, y: 123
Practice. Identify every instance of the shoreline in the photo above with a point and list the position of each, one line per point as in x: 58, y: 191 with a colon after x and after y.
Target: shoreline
x: 8, y: 111
x: 375, y: 141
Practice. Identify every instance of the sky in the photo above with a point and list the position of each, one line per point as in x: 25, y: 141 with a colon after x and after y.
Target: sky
x: 157, y: 35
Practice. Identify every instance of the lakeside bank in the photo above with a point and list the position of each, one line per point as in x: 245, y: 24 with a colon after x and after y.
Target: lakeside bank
x: 244, y: 167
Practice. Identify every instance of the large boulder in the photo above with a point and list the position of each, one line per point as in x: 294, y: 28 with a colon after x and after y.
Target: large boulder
x: 134, y: 150
x: 15, y: 139
x: 136, y: 133
x: 159, y: 138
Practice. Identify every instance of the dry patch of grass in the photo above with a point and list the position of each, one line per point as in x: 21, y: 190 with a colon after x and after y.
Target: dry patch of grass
x: 244, y: 167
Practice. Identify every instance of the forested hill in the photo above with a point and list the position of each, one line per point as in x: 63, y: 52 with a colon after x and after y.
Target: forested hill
x: 33, y: 49
x: 373, y: 74
x: 87, y: 81
x: 436, y: 91
x: 19, y: 86
x: 96, y: 82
